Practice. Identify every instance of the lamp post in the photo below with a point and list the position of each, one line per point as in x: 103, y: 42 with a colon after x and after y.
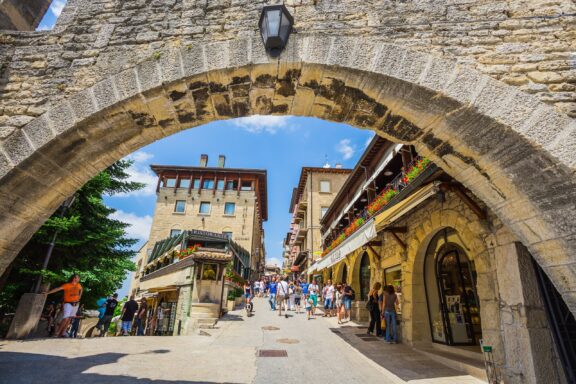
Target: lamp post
x: 63, y: 208
x: 275, y: 27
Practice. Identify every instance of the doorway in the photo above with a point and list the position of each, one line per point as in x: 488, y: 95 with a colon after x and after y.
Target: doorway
x: 453, y: 304
x: 364, y: 276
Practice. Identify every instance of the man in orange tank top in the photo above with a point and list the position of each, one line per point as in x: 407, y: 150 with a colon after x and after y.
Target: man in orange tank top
x: 72, y: 294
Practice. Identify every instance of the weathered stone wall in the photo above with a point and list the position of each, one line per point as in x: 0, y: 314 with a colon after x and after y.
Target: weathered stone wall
x: 528, y: 44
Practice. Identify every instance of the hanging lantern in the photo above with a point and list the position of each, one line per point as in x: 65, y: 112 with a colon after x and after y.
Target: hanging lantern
x: 275, y: 27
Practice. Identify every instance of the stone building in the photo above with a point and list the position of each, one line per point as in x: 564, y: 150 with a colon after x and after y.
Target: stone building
x: 316, y: 189
x: 214, y: 199
x: 185, y: 280
x: 460, y: 274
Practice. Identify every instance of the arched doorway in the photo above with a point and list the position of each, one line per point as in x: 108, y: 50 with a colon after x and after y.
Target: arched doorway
x: 344, y: 274
x: 364, y: 276
x: 453, y: 304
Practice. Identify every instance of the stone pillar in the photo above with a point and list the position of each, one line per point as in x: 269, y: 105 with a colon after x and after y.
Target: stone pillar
x: 528, y: 343
x: 27, y: 315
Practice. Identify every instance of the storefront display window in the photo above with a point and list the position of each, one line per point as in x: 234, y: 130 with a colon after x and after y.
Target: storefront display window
x: 453, y: 304
x: 393, y: 277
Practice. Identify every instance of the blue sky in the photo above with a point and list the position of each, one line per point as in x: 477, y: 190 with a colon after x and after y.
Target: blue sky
x: 50, y: 17
x: 281, y: 145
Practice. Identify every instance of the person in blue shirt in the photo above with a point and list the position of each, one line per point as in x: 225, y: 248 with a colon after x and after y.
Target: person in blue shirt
x: 273, y: 288
x: 304, y: 286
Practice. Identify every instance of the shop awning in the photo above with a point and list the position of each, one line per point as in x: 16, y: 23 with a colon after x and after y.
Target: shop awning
x: 403, y: 207
x: 362, y: 236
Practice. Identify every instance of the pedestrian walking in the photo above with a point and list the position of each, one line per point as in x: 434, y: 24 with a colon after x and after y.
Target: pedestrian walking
x: 262, y: 288
x: 111, y: 305
x: 72, y: 294
x: 389, y: 303
x: 373, y: 308
x: 76, y: 321
x: 256, y: 288
x: 328, y: 293
x: 141, y: 317
x: 313, y: 290
x: 272, y: 299
x: 309, y: 306
x: 338, y: 294
x: 297, y: 297
x: 292, y: 295
x: 128, y: 311
x: 347, y: 298
x: 283, y: 297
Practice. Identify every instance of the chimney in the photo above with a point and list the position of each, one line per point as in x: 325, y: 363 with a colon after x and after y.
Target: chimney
x: 221, y: 161
x: 338, y: 166
x: 204, y: 161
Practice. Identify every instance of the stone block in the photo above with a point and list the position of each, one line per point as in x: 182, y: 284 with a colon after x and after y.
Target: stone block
x: 105, y: 93
x: 6, y: 131
x: 148, y: 73
x: 27, y: 315
x: 126, y: 82
x: 39, y: 131
x: 193, y: 59
x: 18, y: 147
x: 19, y: 120
x: 83, y: 104
x: 171, y: 65
x: 61, y: 117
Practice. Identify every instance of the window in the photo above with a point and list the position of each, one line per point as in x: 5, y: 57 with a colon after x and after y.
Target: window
x: 196, y: 184
x: 175, y: 232
x: 180, y: 206
x: 325, y: 186
x: 205, y: 208
x: 220, y: 185
x: 170, y: 183
x: 208, y: 184
x: 229, y: 208
x: 246, y: 186
x: 231, y: 185
x: 227, y: 234
x: 323, y: 211
x: 184, y: 183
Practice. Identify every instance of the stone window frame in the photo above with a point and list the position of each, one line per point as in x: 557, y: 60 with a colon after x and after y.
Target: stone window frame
x: 176, y: 207
x: 202, y: 203
x: 233, y: 210
x: 320, y: 186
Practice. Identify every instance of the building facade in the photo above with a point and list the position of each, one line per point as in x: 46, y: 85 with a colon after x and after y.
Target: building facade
x: 214, y: 199
x: 461, y: 276
x: 317, y: 188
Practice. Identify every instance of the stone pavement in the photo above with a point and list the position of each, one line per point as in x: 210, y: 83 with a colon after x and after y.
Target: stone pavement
x: 228, y: 355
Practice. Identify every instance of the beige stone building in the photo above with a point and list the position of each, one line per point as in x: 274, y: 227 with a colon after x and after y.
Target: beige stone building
x: 460, y: 274
x: 316, y: 189
x: 213, y: 199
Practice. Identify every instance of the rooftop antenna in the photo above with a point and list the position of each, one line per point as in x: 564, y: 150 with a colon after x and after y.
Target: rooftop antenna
x: 326, y: 163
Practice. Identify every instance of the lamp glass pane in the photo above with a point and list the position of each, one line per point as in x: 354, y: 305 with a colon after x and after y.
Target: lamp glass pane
x: 264, y: 27
x: 285, y: 28
x: 273, y: 17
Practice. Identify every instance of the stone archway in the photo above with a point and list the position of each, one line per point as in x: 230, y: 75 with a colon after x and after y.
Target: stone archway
x: 506, y: 146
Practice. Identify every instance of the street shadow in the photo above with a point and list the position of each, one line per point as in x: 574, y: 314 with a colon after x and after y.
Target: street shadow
x: 399, y: 359
x: 25, y: 368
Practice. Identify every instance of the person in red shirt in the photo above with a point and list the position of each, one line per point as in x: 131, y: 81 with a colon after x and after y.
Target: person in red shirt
x: 72, y: 294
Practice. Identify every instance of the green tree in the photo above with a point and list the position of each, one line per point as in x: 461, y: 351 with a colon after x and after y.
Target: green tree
x: 89, y: 243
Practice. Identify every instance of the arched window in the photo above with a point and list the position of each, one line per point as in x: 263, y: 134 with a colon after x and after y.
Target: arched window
x: 453, y: 305
x: 364, y: 276
x: 344, y: 273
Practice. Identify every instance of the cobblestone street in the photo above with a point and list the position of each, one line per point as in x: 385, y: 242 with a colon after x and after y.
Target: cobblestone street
x: 228, y: 355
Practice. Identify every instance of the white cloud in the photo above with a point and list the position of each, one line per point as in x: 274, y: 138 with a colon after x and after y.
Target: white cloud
x: 140, y: 172
x: 57, y: 6
x: 345, y: 148
x: 139, y: 225
x: 263, y: 123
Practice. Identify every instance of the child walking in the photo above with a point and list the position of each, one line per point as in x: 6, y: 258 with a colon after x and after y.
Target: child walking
x: 309, y: 305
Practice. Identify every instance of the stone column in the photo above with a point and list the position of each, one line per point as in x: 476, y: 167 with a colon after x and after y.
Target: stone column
x: 27, y: 315
x: 528, y: 343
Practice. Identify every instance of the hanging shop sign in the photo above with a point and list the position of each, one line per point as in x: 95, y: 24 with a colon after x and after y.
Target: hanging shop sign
x: 359, y: 238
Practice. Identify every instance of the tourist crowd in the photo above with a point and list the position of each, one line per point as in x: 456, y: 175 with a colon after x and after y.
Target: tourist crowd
x: 336, y: 300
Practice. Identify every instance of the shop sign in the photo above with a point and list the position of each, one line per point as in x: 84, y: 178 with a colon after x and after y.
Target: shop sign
x: 358, y: 239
